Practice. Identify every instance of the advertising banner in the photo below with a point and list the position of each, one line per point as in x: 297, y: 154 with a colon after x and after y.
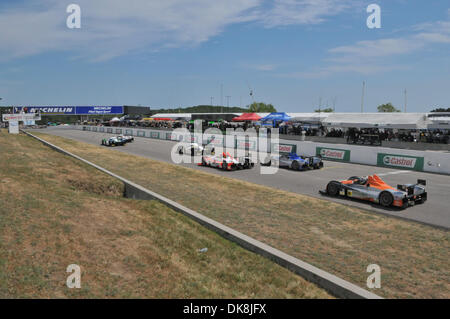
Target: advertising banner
x: 333, y: 154
x: 285, y: 148
x: 248, y: 145
x: 154, y: 134
x: 13, y: 127
x: 21, y: 117
x: 400, y: 161
x: 70, y: 110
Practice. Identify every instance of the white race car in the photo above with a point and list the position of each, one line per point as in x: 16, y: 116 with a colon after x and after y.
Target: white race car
x: 193, y: 149
x: 227, y: 162
x: 126, y: 138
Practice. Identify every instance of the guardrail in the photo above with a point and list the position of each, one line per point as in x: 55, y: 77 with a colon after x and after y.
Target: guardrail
x: 426, y: 161
x: 333, y: 284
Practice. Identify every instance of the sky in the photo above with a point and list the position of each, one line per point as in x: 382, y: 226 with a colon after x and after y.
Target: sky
x: 294, y: 54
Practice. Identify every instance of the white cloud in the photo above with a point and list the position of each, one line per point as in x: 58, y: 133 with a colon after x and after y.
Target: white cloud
x: 262, y: 67
x: 290, y: 12
x: 368, y: 57
x: 112, y: 28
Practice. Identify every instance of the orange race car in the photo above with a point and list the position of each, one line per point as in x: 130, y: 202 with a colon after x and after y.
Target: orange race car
x: 374, y: 189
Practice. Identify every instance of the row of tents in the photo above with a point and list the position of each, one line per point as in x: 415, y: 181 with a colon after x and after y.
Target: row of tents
x: 409, y: 121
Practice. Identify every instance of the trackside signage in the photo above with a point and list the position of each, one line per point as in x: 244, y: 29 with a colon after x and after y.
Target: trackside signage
x: 400, y: 161
x: 285, y: 148
x: 333, y: 154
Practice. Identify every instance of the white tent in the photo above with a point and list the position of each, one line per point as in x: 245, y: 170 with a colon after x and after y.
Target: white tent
x: 410, y: 121
x: 315, y: 117
x: 115, y: 119
x: 439, y: 121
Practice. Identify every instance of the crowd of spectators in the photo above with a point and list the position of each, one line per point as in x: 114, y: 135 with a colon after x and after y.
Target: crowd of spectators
x: 352, y: 135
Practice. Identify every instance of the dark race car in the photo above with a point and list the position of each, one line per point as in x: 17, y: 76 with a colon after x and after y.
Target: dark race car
x: 113, y: 141
x: 374, y: 189
x: 126, y: 138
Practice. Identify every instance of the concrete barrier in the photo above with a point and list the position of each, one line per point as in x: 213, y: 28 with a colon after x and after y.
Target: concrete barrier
x: 333, y: 284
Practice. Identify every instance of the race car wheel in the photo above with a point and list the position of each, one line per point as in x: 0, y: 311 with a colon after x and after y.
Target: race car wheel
x: 295, y: 165
x: 180, y: 151
x: 386, y: 199
x: 333, y: 188
x: 192, y: 151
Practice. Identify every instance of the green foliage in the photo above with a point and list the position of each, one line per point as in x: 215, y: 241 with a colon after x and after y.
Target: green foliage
x: 261, y: 107
x: 388, y: 108
x: 441, y: 109
x: 202, y: 109
x: 327, y: 110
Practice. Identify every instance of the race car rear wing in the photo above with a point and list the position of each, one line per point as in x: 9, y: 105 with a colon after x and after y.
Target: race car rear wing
x: 422, y: 182
x: 410, y: 188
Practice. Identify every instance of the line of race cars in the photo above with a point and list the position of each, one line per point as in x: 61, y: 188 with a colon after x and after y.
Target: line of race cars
x: 366, y: 188
x: 117, y: 140
x: 227, y: 162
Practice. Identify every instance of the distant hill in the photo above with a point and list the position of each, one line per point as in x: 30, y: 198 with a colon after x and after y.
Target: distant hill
x: 203, y: 109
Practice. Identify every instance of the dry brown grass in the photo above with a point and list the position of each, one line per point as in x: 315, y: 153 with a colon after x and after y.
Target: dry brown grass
x: 55, y: 211
x: 414, y: 258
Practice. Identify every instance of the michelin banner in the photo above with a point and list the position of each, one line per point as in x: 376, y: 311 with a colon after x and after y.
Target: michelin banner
x: 70, y: 110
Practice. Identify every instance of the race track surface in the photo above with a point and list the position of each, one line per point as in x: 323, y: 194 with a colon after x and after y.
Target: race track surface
x: 436, y: 211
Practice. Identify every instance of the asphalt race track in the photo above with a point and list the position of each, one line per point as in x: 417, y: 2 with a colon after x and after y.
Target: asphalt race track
x: 436, y: 211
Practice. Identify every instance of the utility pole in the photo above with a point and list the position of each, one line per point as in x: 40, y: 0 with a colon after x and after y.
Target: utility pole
x: 405, y: 100
x: 228, y: 100
x: 334, y: 103
x: 221, y: 98
x: 362, y: 97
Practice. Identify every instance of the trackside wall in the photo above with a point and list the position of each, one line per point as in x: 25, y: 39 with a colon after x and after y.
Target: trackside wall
x: 426, y: 161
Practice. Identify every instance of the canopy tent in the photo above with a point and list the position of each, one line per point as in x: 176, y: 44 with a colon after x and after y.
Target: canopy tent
x: 439, y: 121
x: 175, y: 116
x: 310, y: 117
x: 410, y: 121
x: 276, y: 116
x: 162, y: 119
x: 247, y: 117
x: 115, y: 119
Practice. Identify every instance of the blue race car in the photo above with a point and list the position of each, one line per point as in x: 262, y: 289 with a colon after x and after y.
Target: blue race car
x: 295, y: 161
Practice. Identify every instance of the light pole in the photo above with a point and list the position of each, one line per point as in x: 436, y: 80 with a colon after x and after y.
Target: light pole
x: 221, y: 98
x: 362, y: 97
x: 212, y: 98
x: 405, y: 100
x: 228, y: 100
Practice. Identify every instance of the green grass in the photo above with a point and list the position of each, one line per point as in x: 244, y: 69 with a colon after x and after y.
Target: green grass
x: 414, y: 258
x: 55, y: 211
